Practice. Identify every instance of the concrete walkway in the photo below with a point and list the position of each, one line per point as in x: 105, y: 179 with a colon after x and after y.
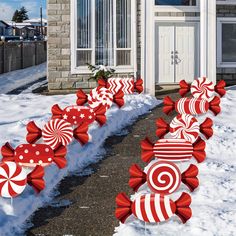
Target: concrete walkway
x: 86, y: 204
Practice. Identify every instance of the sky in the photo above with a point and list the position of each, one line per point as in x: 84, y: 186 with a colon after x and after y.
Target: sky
x: 7, y: 8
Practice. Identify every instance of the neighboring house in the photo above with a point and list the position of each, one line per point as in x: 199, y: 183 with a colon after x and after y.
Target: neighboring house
x: 5, y: 29
x: 36, y: 24
x: 164, y: 41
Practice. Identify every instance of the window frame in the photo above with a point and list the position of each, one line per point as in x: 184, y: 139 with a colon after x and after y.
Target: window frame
x: 220, y: 22
x: 119, y: 69
x: 171, y: 8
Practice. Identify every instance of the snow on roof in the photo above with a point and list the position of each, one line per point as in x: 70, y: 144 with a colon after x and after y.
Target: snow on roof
x: 36, y: 20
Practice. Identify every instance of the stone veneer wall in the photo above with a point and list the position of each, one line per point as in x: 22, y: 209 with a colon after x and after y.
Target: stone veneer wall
x: 228, y: 74
x: 60, y: 78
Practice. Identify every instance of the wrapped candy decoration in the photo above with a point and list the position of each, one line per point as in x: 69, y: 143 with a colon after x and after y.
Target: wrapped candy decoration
x: 127, y: 85
x: 76, y: 115
x: 202, y: 88
x: 13, y: 179
x: 184, y: 127
x: 153, y: 208
x: 191, y: 106
x: 32, y: 155
x: 163, y: 177
x: 57, y: 132
x: 173, y: 150
x: 100, y: 96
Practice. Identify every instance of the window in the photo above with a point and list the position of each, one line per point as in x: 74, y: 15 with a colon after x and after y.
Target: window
x: 226, y: 42
x: 176, y: 2
x: 104, y: 33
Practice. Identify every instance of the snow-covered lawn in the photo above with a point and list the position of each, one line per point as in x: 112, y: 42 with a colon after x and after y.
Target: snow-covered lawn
x: 15, y: 79
x: 17, y: 110
x: 214, y: 203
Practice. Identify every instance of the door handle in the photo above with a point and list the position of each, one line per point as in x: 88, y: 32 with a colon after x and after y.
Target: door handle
x: 177, y: 60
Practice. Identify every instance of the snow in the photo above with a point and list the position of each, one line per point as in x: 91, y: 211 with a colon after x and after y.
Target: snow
x: 15, y: 79
x: 214, y: 203
x: 17, y: 110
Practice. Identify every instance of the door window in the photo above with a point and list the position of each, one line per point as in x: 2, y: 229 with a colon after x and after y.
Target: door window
x: 176, y: 2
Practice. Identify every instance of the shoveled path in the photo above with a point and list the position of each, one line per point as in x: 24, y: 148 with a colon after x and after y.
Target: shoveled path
x: 89, y: 201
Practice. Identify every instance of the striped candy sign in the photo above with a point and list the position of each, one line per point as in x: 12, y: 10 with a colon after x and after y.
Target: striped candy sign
x: 126, y: 85
x: 153, y: 208
x: 173, y: 150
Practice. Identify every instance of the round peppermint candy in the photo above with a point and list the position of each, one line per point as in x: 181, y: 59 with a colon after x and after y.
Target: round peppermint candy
x: 100, y: 95
x: 13, y: 179
x: 163, y: 178
x: 202, y: 88
x: 185, y: 127
x: 57, y: 132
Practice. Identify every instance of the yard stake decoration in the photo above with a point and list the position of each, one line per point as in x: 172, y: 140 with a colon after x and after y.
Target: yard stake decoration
x: 56, y: 132
x: 173, y: 150
x: 153, y: 208
x: 192, y: 106
x: 32, y: 155
x: 13, y: 179
x: 184, y: 127
x: 202, y: 88
x: 100, y: 96
x: 127, y: 85
x: 163, y: 177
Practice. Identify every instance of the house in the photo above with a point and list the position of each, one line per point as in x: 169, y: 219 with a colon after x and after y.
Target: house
x: 5, y: 29
x: 164, y: 41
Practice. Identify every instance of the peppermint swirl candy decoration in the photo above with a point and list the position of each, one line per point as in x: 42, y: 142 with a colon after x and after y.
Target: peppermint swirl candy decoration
x: 13, y: 179
x: 163, y: 178
x: 100, y: 95
x: 57, y: 132
x: 202, y: 88
x: 185, y: 127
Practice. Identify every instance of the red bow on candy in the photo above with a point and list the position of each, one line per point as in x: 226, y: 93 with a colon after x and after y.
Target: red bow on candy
x: 138, y: 85
x: 118, y: 98
x: 215, y: 105
x: 189, y: 177
x: 59, y: 156
x: 81, y: 133
x: 34, y: 132
x: 184, y: 88
x: 169, y: 105
x: 82, y: 97
x: 35, y: 179
x: 8, y: 153
x: 123, y: 210
x: 183, y: 211
x: 220, y: 88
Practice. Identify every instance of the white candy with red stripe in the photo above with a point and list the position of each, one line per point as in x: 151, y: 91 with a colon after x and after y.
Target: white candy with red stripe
x: 185, y: 127
x: 100, y: 95
x: 13, y: 179
x: 57, y: 132
x: 163, y: 178
x: 202, y: 88
x: 193, y: 106
x: 153, y: 208
x: 173, y: 149
x: 125, y: 84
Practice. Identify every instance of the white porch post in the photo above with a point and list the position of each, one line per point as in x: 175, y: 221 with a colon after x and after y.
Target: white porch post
x: 148, y: 57
x: 212, y: 40
x: 203, y: 38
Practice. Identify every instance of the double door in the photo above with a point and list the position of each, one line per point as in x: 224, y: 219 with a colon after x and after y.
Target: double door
x: 177, y: 52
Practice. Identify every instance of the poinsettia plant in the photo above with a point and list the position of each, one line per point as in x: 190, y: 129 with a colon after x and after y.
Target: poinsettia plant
x: 101, y: 72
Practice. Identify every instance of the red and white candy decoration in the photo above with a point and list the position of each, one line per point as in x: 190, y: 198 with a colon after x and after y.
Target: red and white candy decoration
x: 191, y: 106
x: 184, y: 127
x: 127, y: 85
x: 173, y: 150
x: 100, y: 96
x: 202, y: 88
x: 163, y: 177
x: 153, y: 208
x: 13, y: 179
x: 55, y: 133
x: 32, y: 155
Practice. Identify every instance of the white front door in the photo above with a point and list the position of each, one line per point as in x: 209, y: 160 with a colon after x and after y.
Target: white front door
x: 176, y: 52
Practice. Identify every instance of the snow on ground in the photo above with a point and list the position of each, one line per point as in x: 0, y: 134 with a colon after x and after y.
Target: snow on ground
x: 214, y: 203
x: 17, y: 110
x: 15, y: 79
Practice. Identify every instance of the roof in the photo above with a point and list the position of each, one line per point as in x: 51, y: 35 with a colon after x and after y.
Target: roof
x: 5, y: 23
x: 36, y: 20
